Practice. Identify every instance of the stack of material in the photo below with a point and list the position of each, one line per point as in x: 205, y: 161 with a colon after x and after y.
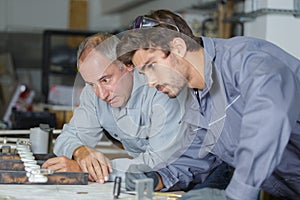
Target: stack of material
x: 13, y: 166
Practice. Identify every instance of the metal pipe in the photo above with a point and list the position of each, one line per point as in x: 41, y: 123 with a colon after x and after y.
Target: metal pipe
x: 23, y: 132
x: 254, y: 5
x: 297, y: 8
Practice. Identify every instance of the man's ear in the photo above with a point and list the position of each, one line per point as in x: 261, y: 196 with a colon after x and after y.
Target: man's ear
x: 178, y: 46
x: 129, y: 67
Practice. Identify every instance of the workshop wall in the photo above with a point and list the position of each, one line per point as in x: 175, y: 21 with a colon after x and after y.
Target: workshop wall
x: 279, y: 26
x: 22, y: 23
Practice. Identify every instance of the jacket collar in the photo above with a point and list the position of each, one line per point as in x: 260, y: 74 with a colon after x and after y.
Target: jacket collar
x: 209, y: 57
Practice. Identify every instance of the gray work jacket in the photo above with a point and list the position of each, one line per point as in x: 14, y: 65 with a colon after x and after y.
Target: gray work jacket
x: 251, y: 111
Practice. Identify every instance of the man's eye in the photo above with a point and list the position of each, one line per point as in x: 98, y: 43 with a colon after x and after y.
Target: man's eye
x: 105, y: 80
x: 151, y: 65
x: 145, y: 67
x: 140, y: 72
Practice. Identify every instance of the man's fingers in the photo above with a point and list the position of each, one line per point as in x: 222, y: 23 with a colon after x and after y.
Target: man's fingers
x: 85, y: 169
x: 45, y: 165
x: 95, y: 163
x: 55, y: 168
x: 99, y: 171
x: 91, y: 178
x: 88, y: 167
x: 83, y: 166
x: 105, y: 170
x: 92, y: 171
x: 109, y: 165
x: 49, y: 162
x: 60, y: 170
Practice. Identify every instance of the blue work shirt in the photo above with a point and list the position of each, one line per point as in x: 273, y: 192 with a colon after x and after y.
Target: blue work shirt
x: 251, y: 104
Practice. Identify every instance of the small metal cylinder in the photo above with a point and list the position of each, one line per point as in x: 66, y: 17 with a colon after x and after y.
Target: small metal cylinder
x: 117, y: 187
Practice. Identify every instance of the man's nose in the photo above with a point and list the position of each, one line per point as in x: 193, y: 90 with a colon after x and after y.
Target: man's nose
x: 152, y: 81
x: 102, y: 92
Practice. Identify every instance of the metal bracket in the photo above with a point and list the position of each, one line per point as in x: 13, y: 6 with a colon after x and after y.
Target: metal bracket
x: 144, y: 189
x: 297, y: 8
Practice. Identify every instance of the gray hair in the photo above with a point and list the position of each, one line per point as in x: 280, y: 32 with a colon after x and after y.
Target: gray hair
x: 104, y: 43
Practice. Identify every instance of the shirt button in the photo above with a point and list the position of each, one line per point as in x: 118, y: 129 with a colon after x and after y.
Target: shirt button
x: 115, y: 135
x: 147, y: 138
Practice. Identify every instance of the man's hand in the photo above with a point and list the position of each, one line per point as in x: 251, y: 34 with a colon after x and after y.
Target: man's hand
x: 141, y: 171
x: 62, y: 164
x: 94, y: 162
x: 205, y: 194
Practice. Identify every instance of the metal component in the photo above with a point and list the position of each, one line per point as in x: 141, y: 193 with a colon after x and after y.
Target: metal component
x: 254, y: 5
x: 5, y: 149
x: 4, y: 140
x: 117, y: 187
x: 42, y: 172
x: 46, y: 128
x: 39, y: 139
x: 23, y: 143
x: 144, y: 189
x: 297, y: 8
x: 37, y: 178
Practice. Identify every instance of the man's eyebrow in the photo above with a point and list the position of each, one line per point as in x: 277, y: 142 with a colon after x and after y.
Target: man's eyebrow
x: 145, y: 64
x: 104, y: 77
x: 99, y: 79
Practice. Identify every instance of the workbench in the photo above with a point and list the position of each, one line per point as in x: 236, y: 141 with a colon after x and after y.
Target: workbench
x: 60, y: 192
x: 55, y: 189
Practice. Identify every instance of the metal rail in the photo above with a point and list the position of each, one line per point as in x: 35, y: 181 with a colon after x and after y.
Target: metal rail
x: 251, y: 16
x: 23, y: 132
